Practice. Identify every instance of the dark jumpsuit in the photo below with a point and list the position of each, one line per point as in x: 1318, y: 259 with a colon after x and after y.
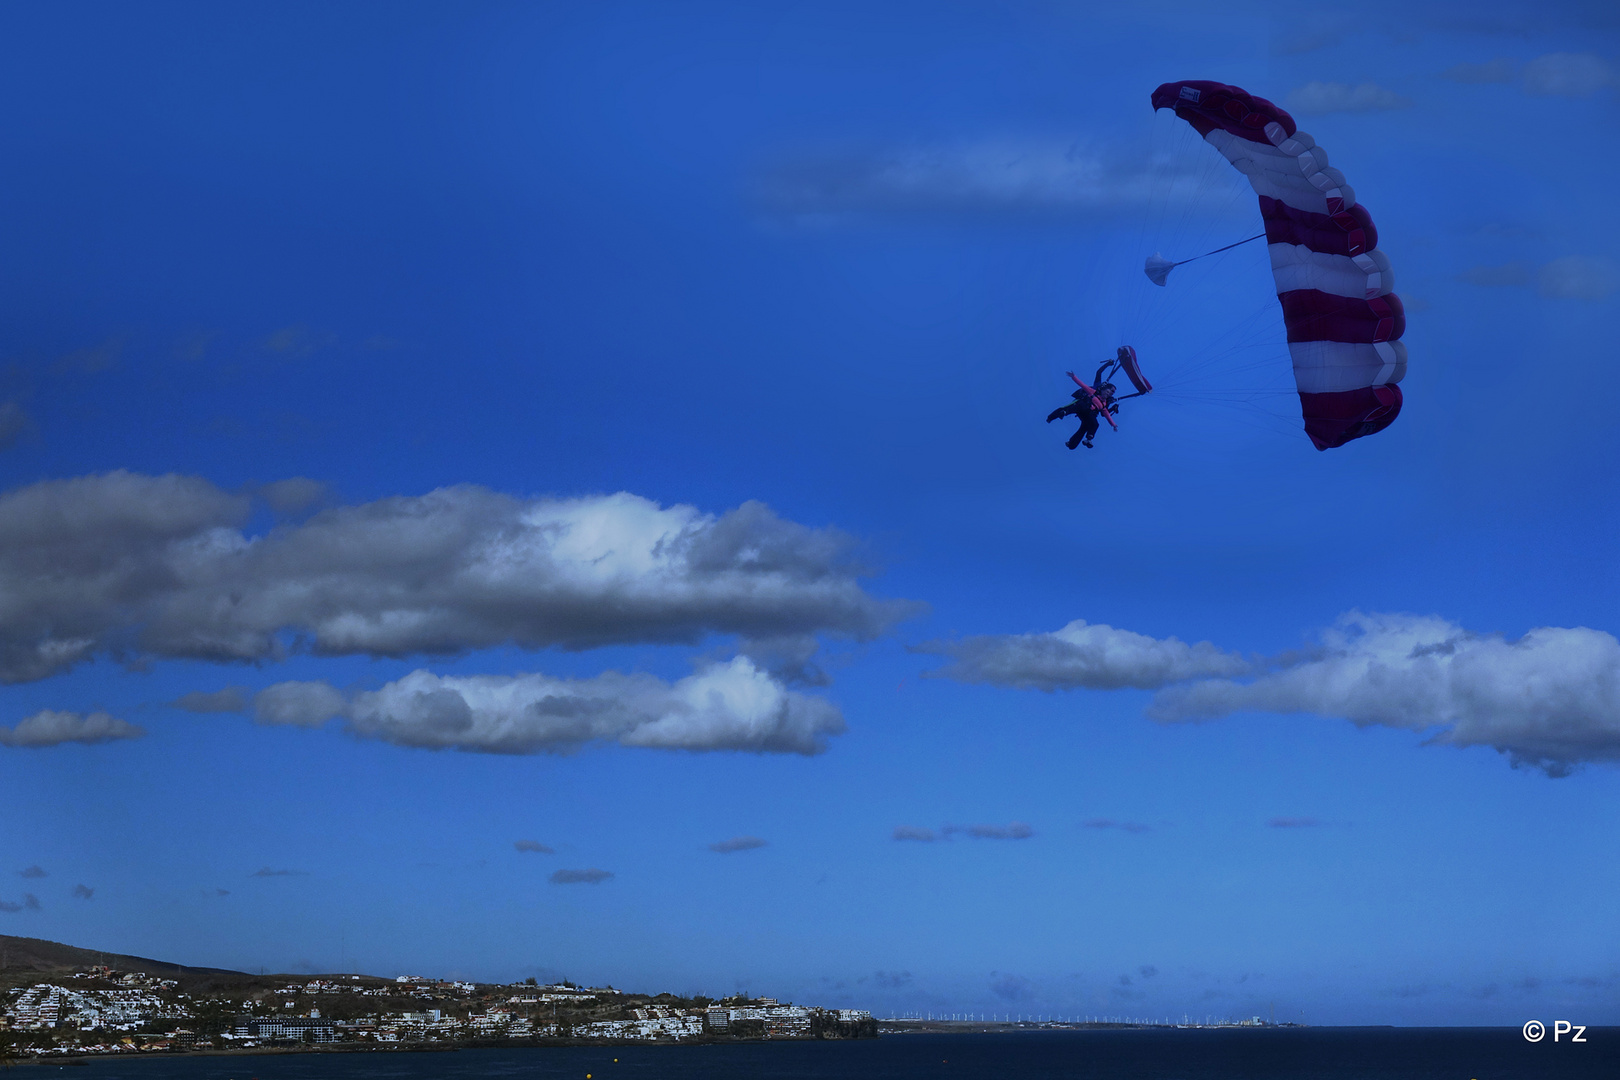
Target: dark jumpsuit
x: 1082, y: 407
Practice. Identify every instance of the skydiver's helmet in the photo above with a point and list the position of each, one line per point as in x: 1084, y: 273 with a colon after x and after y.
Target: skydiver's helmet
x: 1105, y: 389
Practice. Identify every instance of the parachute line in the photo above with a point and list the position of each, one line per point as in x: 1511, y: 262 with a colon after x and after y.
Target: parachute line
x: 1158, y: 267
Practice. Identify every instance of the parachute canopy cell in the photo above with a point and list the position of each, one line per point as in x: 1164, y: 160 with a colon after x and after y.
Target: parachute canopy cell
x: 1344, y: 321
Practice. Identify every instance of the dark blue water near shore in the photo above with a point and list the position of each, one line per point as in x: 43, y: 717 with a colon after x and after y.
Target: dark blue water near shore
x: 1299, y: 1054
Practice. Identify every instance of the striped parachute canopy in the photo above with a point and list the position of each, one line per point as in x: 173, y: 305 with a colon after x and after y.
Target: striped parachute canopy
x: 1344, y: 323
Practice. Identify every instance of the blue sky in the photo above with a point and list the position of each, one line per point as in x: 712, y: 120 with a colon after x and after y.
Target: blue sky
x: 431, y: 428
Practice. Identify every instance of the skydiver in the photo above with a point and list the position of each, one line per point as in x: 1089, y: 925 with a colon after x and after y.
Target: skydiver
x: 1083, y: 407
x: 1086, y: 409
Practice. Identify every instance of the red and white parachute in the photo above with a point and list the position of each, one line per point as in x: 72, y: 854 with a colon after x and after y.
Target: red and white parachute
x: 1344, y: 323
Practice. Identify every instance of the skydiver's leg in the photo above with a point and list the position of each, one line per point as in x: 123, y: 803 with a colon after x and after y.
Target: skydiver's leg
x: 1062, y: 410
x: 1074, y: 440
x: 1088, y: 428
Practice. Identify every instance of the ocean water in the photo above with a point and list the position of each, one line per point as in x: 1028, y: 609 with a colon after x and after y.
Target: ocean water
x: 1290, y: 1054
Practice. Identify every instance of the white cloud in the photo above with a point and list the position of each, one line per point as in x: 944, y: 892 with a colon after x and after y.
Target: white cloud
x: 737, y: 843
x: 589, y: 876
x: 1498, y: 276
x: 1573, y: 277
x: 1578, y: 277
x: 14, y: 423
x: 1567, y: 75
x: 1499, y: 70
x: 294, y: 495
x: 913, y: 832
x: 158, y: 566
x: 1315, y: 98
x: 48, y: 727
x: 1020, y: 174
x: 726, y: 706
x: 1304, y: 39
x: 298, y: 704
x: 1110, y: 823
x: 1094, y: 656
x: 229, y: 700
x: 1550, y: 698
x: 1016, y: 830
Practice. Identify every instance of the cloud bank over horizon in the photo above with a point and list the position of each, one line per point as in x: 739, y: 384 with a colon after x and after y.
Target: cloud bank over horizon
x: 1549, y: 699
x: 133, y: 566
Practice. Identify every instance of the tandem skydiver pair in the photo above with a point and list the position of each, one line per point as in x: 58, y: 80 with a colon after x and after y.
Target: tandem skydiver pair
x: 1100, y: 399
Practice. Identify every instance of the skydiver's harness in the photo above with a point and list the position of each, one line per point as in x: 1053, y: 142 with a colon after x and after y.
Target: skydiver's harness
x: 1093, y: 400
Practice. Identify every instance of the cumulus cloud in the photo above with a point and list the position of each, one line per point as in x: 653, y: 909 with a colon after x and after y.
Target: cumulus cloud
x: 294, y: 494
x: 137, y: 566
x: 789, y: 657
x: 1041, y: 175
x: 232, y: 699
x: 1308, y: 39
x: 14, y: 424
x: 1573, y: 277
x: 1081, y: 654
x: 737, y: 843
x: 83, y: 892
x: 1550, y: 698
x: 1499, y: 70
x: 1578, y: 277
x: 726, y: 706
x: 48, y: 727
x: 29, y: 902
x: 1293, y: 823
x: 1110, y: 823
x: 32, y: 872
x: 590, y: 876
x: 265, y: 871
x: 912, y: 832
x: 1506, y: 274
x: 1567, y: 75
x: 299, y: 704
x: 533, y: 846
x: 1315, y: 98
x: 1016, y: 830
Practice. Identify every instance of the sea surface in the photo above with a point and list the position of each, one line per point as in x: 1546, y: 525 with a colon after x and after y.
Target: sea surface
x: 1289, y: 1054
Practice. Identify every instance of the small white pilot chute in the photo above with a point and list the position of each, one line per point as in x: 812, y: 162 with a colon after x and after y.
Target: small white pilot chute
x: 1158, y: 268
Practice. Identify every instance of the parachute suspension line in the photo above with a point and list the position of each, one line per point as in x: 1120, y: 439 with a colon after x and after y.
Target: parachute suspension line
x: 1158, y: 267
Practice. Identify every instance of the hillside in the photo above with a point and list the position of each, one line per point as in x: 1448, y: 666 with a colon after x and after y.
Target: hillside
x: 24, y: 960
